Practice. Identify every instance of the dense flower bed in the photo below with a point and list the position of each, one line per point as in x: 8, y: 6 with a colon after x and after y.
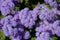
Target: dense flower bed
x: 29, y: 19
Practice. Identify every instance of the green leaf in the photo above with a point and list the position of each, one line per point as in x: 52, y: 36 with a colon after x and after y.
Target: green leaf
x: 16, y: 8
x: 2, y: 36
x: 26, y: 1
x: 33, y: 38
x: 33, y: 6
x: 21, y: 1
x: 38, y: 3
x: 54, y: 38
x: 58, y: 1
x: 1, y: 16
x: 49, y: 6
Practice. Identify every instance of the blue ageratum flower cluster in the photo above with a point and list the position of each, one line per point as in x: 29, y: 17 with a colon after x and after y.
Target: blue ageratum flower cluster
x: 6, y: 6
x: 28, y: 17
x: 15, y: 21
x: 49, y: 24
x: 12, y: 27
x: 52, y: 3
